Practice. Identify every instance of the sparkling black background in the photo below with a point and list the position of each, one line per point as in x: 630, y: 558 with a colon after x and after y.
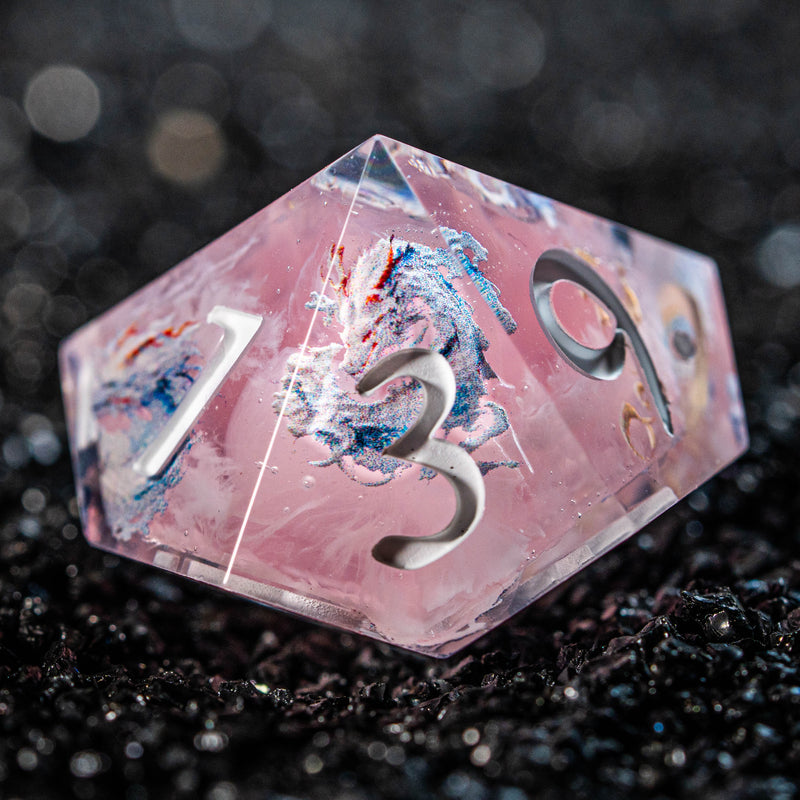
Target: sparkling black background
x: 132, y: 133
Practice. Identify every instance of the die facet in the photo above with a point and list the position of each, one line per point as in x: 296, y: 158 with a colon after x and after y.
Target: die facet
x: 405, y: 399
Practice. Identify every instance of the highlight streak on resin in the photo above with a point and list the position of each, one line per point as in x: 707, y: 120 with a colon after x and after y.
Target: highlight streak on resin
x: 129, y: 410
x: 398, y: 294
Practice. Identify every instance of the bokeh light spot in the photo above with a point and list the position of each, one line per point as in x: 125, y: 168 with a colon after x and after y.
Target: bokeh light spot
x: 221, y: 24
x: 320, y: 29
x: 609, y: 135
x: 62, y: 103
x: 281, y: 108
x: 186, y: 146
x: 14, y: 217
x: 502, y: 46
x: 23, y: 304
x: 724, y: 203
x: 64, y: 313
x: 778, y: 256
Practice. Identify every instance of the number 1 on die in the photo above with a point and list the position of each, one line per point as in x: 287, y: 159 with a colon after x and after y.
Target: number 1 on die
x: 238, y: 330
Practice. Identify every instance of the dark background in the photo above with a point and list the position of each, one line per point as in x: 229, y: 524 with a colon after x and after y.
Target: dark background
x: 132, y: 133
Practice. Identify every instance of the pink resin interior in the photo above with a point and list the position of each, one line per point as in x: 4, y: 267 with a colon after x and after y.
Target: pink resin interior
x: 381, y: 251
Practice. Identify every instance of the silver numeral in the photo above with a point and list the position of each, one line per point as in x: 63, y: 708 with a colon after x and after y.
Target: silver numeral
x: 432, y: 371
x: 238, y: 330
x: 603, y: 363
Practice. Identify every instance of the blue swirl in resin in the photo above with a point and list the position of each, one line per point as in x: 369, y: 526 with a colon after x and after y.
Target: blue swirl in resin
x: 129, y: 411
x: 398, y: 295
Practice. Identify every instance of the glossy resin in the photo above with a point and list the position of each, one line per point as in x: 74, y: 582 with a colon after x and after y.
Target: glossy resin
x: 402, y: 355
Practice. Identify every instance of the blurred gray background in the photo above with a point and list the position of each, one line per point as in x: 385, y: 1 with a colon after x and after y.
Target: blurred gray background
x: 131, y: 133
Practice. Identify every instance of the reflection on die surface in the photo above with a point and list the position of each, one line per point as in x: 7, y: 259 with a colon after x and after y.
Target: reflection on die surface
x: 405, y: 399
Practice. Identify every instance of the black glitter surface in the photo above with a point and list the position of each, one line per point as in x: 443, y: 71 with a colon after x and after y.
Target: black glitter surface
x: 667, y: 669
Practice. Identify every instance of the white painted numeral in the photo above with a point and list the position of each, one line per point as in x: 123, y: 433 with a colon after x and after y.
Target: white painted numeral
x: 436, y: 377
x: 238, y: 330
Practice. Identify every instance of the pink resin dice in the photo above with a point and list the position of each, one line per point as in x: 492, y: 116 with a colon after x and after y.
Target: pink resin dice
x: 405, y: 399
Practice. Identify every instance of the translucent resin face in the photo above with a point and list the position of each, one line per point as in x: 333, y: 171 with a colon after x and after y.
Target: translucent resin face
x: 273, y: 414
